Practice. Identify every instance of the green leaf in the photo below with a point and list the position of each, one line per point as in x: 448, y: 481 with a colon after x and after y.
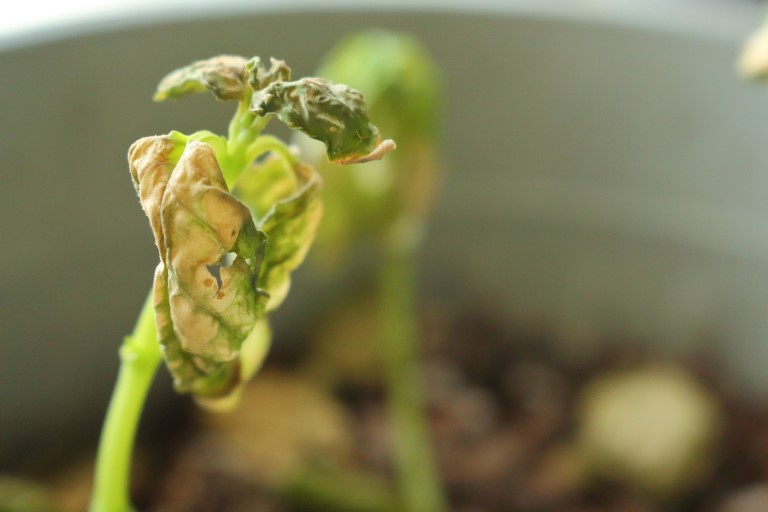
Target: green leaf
x: 264, y: 184
x: 207, y: 299
x: 331, y: 113
x: 285, y: 201
x: 223, y: 75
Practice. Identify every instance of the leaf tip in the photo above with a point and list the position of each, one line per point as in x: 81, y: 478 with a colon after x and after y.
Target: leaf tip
x: 384, y: 147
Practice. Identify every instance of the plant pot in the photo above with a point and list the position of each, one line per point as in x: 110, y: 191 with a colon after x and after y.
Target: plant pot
x: 605, y: 173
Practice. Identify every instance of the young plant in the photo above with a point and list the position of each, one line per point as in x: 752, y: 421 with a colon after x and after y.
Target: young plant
x: 232, y: 216
x: 387, y: 204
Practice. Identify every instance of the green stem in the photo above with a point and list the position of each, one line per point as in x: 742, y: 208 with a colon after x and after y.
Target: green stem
x: 244, y: 128
x: 268, y: 143
x: 241, y: 121
x: 418, y: 480
x: 139, y: 358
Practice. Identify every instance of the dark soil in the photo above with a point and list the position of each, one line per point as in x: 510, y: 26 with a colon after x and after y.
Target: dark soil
x: 502, y: 412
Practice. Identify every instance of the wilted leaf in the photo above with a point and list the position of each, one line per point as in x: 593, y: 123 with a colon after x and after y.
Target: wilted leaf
x: 214, y: 302
x: 191, y: 374
x: 285, y: 202
x: 253, y: 352
x: 331, y: 113
x: 259, y: 76
x: 224, y: 76
x: 206, y: 296
x: 151, y: 161
x: 391, y: 198
x: 399, y: 79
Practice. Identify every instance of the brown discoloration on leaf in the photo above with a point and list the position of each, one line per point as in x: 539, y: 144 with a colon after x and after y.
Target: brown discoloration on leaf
x: 148, y: 159
x: 202, y: 318
x: 210, y: 288
x: 202, y: 221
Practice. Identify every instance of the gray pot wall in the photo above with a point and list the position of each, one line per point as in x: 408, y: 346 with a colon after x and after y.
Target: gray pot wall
x: 606, y: 173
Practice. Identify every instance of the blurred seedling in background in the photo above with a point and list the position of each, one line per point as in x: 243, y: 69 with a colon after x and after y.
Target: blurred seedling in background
x: 384, y: 207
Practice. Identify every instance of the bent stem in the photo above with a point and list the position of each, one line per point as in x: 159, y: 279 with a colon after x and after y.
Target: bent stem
x: 139, y: 358
x: 418, y: 481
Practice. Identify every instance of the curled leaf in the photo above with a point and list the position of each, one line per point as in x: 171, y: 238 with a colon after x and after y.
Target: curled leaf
x: 151, y: 162
x: 214, y: 302
x: 285, y: 201
x: 259, y: 76
x: 224, y: 76
x: 331, y: 113
x: 400, y: 81
x: 252, y: 356
x: 391, y: 198
x: 206, y: 293
x: 191, y: 374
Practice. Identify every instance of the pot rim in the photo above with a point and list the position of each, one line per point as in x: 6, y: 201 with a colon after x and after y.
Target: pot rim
x: 727, y: 20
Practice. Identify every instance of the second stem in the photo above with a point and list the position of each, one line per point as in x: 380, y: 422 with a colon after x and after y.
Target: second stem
x: 418, y: 480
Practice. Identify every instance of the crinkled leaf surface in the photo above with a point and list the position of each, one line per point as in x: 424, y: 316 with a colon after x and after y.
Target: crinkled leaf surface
x: 393, y: 197
x: 223, y: 75
x: 399, y: 79
x: 285, y: 202
x: 219, y: 256
x: 151, y: 161
x: 259, y: 76
x: 206, y: 292
x: 331, y: 113
x: 191, y: 374
x: 203, y: 223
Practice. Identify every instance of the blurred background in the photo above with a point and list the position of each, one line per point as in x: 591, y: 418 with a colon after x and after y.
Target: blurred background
x: 592, y: 285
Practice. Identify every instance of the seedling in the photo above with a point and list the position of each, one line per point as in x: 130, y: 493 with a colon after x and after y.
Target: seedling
x: 387, y: 205
x: 232, y: 216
